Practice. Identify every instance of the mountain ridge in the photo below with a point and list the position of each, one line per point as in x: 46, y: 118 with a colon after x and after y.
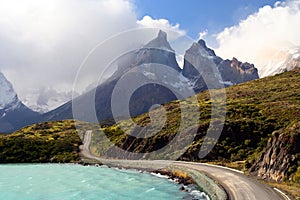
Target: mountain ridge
x: 142, y: 62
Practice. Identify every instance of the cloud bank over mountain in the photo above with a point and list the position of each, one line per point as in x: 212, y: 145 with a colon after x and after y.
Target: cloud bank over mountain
x: 43, y: 43
x: 263, y: 35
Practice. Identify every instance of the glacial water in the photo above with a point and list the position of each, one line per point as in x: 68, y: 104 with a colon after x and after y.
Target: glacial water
x: 76, y: 182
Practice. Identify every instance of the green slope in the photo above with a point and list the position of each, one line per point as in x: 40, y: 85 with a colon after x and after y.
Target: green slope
x: 44, y: 142
x: 254, y: 111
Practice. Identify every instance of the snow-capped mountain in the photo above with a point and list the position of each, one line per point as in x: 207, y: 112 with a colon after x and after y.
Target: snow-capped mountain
x: 45, y: 99
x: 13, y: 113
x: 148, y: 62
x: 8, y: 96
x: 283, y: 60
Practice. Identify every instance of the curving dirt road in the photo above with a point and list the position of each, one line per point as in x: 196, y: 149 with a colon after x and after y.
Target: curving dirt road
x: 237, y: 185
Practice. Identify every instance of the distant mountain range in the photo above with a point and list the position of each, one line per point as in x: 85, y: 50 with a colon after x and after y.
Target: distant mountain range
x: 282, y: 61
x: 14, y: 114
x: 142, y: 62
x: 45, y: 99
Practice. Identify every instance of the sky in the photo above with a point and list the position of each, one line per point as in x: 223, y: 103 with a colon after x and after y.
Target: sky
x: 43, y: 43
x: 197, y: 16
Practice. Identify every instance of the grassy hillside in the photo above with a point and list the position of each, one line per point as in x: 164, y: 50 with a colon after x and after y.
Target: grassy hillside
x: 44, y: 142
x: 254, y: 111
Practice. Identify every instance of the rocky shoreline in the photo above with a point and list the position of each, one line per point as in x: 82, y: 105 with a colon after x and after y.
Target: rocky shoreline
x: 187, y: 178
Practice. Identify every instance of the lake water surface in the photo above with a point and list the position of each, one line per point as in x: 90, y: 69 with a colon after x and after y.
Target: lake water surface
x: 77, y: 182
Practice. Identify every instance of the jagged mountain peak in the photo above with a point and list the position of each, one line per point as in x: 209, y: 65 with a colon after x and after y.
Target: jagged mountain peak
x: 162, y: 34
x: 197, y: 49
x: 232, y: 71
x: 236, y: 71
x: 7, y: 94
x: 148, y: 63
x: 243, y: 66
x: 200, y: 49
x: 202, y: 43
x: 160, y: 42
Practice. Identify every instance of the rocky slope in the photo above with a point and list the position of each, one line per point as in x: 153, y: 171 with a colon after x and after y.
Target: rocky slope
x: 13, y: 113
x: 281, y: 157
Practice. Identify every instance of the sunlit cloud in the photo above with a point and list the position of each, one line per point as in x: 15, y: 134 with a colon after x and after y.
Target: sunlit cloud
x: 260, y: 37
x: 43, y: 42
x: 173, y: 31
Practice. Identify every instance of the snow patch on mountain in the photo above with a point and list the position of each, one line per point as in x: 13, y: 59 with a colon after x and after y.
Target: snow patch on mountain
x: 3, y: 115
x: 226, y: 83
x: 46, y: 99
x: 283, y: 60
x: 150, y: 75
x: 7, y: 93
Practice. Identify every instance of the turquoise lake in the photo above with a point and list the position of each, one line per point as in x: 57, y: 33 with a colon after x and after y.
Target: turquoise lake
x: 77, y: 182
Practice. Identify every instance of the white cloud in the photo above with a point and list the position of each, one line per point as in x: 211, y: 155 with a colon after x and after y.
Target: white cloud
x: 173, y: 31
x: 180, y: 60
x: 203, y: 34
x: 177, y: 37
x: 43, y: 42
x: 261, y: 35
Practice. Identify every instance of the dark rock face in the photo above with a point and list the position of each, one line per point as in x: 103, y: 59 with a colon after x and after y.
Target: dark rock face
x: 280, y: 155
x: 232, y: 71
x: 14, y: 119
x: 210, y: 52
x: 237, y: 72
x: 198, y: 67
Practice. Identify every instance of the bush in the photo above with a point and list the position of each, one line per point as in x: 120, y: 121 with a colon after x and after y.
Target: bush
x: 296, y: 176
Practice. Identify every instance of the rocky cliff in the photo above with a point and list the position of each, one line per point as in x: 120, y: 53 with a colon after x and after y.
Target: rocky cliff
x: 232, y: 71
x: 281, y: 156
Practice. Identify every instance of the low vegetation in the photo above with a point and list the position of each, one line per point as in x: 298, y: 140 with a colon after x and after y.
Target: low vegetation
x: 40, y: 143
x: 254, y: 111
